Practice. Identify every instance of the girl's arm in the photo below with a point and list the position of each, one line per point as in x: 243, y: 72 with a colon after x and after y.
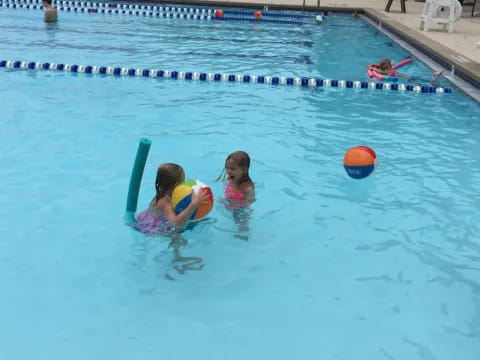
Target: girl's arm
x: 180, y: 219
x: 249, y: 193
x: 405, y: 76
x: 382, y: 72
x: 388, y: 72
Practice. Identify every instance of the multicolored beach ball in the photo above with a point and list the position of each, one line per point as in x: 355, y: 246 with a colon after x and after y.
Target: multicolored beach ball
x: 182, y: 196
x: 359, y: 162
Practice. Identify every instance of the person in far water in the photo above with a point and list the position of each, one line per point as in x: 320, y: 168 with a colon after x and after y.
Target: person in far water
x: 50, y: 14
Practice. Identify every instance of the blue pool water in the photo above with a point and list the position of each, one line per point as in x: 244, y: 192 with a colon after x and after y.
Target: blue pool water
x: 334, y: 268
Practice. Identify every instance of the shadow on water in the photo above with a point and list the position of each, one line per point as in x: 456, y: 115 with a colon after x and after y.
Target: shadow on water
x: 241, y: 215
x: 51, y: 30
x: 147, y: 248
x: 241, y: 218
x: 180, y: 263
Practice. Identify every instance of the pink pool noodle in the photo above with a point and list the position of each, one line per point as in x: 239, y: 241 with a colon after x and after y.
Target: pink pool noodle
x: 402, y: 63
x: 374, y: 74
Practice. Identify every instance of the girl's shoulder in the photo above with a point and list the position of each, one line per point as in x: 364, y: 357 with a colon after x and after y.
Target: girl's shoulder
x: 159, y: 205
x: 249, y: 186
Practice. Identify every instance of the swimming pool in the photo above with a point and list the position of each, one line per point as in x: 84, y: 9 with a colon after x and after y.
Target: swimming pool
x: 383, y: 268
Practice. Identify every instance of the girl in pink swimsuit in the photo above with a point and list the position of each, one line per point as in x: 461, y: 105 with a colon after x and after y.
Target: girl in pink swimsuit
x: 160, y: 217
x: 240, y: 190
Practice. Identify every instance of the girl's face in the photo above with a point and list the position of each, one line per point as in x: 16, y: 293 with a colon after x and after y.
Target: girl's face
x: 234, y: 171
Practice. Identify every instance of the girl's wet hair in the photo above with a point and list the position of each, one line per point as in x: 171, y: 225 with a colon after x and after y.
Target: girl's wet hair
x: 385, y: 63
x: 242, y: 159
x: 168, y: 176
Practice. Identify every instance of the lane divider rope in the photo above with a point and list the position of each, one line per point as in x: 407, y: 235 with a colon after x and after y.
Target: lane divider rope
x: 136, y: 10
x: 272, y: 14
x: 309, y: 82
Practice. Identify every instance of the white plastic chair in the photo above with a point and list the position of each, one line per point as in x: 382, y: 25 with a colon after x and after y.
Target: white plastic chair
x: 440, y: 12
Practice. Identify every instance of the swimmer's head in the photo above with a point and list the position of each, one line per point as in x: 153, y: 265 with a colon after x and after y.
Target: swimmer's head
x: 385, y: 64
x: 169, y: 175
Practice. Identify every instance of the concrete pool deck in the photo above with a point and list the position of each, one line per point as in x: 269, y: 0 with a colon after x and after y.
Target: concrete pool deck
x: 458, y: 51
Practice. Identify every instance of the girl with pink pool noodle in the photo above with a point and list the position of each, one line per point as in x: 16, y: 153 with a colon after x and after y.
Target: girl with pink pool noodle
x: 385, y: 68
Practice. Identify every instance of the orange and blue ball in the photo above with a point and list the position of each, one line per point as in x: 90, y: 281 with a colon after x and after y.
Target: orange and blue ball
x: 360, y: 161
x: 182, y: 197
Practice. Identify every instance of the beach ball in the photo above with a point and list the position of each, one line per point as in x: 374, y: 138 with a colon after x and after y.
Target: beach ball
x: 218, y: 13
x: 182, y: 196
x: 257, y: 15
x: 319, y: 19
x: 359, y: 162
